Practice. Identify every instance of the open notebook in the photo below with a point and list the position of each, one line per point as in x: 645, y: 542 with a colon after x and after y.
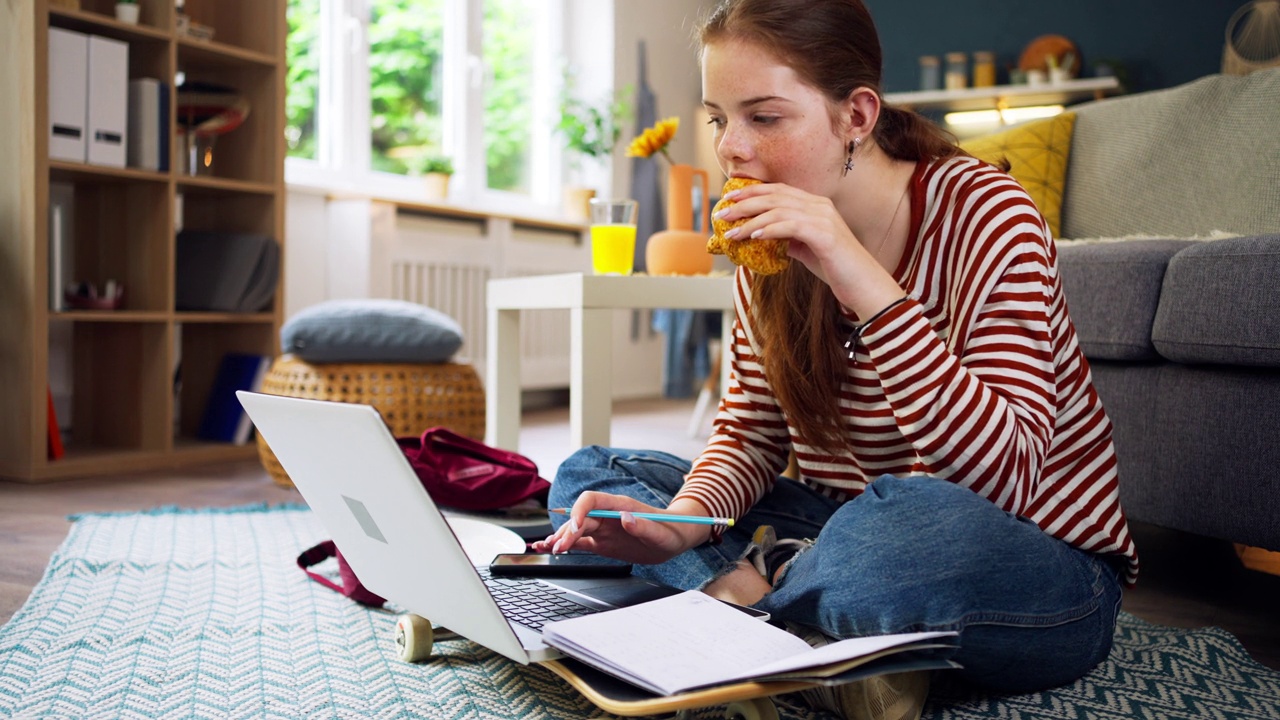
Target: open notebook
x: 691, y: 640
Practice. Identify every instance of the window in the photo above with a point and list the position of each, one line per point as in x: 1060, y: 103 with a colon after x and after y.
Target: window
x: 376, y: 87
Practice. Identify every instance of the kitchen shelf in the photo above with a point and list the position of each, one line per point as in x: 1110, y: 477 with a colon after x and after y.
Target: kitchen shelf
x: 1006, y: 96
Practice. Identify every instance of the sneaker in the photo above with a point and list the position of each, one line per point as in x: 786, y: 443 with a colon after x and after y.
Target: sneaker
x: 898, y: 696
x: 769, y: 555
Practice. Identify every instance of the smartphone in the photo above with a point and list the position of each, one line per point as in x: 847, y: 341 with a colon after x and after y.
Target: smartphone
x: 562, y: 565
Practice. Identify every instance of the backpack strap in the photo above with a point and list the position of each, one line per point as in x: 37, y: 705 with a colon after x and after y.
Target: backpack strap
x: 316, y: 555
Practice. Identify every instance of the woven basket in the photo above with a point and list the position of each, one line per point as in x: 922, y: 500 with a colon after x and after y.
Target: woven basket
x: 410, y: 397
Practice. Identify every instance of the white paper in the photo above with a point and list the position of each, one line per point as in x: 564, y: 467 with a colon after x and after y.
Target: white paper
x: 691, y: 640
x: 681, y: 641
x: 845, y: 650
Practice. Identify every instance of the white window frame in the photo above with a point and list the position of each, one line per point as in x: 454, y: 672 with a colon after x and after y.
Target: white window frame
x: 343, y: 112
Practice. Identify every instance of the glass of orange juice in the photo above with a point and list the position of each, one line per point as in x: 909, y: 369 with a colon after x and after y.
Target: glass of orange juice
x: 613, y: 236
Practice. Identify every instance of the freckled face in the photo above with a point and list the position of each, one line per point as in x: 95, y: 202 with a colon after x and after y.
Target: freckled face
x: 768, y: 124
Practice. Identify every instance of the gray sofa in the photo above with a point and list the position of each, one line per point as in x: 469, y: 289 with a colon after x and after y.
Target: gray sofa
x: 1183, y: 335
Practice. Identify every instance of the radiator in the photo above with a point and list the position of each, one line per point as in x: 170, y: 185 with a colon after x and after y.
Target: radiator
x: 445, y: 263
x: 455, y: 290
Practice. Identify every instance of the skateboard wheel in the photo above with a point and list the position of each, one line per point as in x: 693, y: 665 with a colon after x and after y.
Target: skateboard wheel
x: 413, y: 638
x: 758, y: 709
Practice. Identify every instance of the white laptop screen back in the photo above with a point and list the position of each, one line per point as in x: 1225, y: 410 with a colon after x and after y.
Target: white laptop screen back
x: 354, y: 476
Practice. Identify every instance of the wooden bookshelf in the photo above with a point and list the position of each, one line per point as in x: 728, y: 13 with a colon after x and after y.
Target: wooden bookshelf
x: 127, y: 412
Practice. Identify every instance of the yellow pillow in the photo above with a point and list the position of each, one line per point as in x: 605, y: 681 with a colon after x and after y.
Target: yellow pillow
x: 1037, y: 152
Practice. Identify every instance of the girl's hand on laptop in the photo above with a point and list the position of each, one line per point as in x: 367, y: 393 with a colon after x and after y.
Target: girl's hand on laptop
x: 631, y: 539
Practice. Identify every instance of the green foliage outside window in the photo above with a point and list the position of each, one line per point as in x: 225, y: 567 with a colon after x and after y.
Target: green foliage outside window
x: 508, y: 101
x: 406, y: 64
x: 302, y: 81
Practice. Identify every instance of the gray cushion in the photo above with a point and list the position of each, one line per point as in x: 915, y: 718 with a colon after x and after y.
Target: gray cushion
x: 1178, y: 162
x: 1112, y: 290
x: 371, y: 331
x: 1221, y: 304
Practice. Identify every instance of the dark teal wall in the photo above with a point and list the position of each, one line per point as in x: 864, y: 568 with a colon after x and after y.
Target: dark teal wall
x: 1161, y: 44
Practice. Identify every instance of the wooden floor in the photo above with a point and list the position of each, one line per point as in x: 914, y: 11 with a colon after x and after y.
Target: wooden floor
x: 1187, y: 581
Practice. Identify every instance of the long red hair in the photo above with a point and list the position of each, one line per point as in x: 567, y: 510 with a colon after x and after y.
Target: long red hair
x: 833, y: 46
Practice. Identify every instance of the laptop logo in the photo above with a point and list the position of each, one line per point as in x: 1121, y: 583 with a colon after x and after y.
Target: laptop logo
x: 363, y: 517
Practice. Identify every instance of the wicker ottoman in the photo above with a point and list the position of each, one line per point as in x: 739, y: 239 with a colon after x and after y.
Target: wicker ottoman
x: 410, y: 397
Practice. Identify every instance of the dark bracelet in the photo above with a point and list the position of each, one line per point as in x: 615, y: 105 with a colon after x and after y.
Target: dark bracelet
x: 855, y: 337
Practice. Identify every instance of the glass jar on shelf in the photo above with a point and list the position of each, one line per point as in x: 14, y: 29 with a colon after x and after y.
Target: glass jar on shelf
x: 930, y: 72
x: 984, y: 69
x: 957, y: 71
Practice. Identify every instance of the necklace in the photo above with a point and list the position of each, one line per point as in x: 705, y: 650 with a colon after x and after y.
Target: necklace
x: 892, y: 220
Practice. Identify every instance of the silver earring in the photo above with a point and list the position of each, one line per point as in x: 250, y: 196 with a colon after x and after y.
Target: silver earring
x: 848, y: 160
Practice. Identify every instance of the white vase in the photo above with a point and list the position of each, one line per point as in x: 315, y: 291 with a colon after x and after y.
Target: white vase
x: 436, y: 186
x: 128, y: 12
x: 577, y: 204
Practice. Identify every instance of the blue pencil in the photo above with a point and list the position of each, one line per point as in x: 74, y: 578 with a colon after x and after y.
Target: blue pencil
x: 660, y: 517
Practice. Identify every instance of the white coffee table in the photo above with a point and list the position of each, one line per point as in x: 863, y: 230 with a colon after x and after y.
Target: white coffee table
x: 591, y: 301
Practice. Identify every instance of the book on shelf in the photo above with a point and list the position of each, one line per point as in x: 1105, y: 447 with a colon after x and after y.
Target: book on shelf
x: 108, y: 104
x: 691, y: 640
x: 148, y: 138
x: 56, y: 449
x: 224, y: 420
x: 68, y: 94
x: 61, y: 250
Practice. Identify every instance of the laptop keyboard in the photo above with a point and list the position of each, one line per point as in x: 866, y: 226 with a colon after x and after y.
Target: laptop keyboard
x: 530, y: 603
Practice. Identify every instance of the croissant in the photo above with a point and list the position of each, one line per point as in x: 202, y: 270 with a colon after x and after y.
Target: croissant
x: 760, y: 256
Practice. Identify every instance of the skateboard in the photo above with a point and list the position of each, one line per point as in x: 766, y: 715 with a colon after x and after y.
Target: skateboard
x: 741, y: 701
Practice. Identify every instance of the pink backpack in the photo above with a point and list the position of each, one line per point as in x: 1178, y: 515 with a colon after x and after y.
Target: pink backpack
x: 466, y: 474
x: 457, y: 472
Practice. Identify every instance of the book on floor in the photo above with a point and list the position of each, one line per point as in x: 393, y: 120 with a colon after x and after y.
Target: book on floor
x: 691, y: 640
x: 224, y: 419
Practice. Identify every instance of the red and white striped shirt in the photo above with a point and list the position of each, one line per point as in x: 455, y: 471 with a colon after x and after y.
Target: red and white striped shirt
x: 977, y: 378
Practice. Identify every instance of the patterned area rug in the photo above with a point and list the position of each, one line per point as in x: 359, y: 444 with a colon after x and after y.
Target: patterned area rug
x: 203, y: 614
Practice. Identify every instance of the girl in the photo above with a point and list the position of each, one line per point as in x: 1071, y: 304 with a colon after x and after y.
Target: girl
x: 956, y: 468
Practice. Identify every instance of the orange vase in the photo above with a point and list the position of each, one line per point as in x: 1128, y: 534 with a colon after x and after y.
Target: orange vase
x: 681, y: 249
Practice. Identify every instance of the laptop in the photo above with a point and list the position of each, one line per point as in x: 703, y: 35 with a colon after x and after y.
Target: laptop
x: 348, y: 467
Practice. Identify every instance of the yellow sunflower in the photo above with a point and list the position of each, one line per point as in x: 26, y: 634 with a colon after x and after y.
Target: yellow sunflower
x: 655, y: 139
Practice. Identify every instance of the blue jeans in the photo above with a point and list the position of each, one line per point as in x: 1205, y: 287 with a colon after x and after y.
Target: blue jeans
x: 908, y: 554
